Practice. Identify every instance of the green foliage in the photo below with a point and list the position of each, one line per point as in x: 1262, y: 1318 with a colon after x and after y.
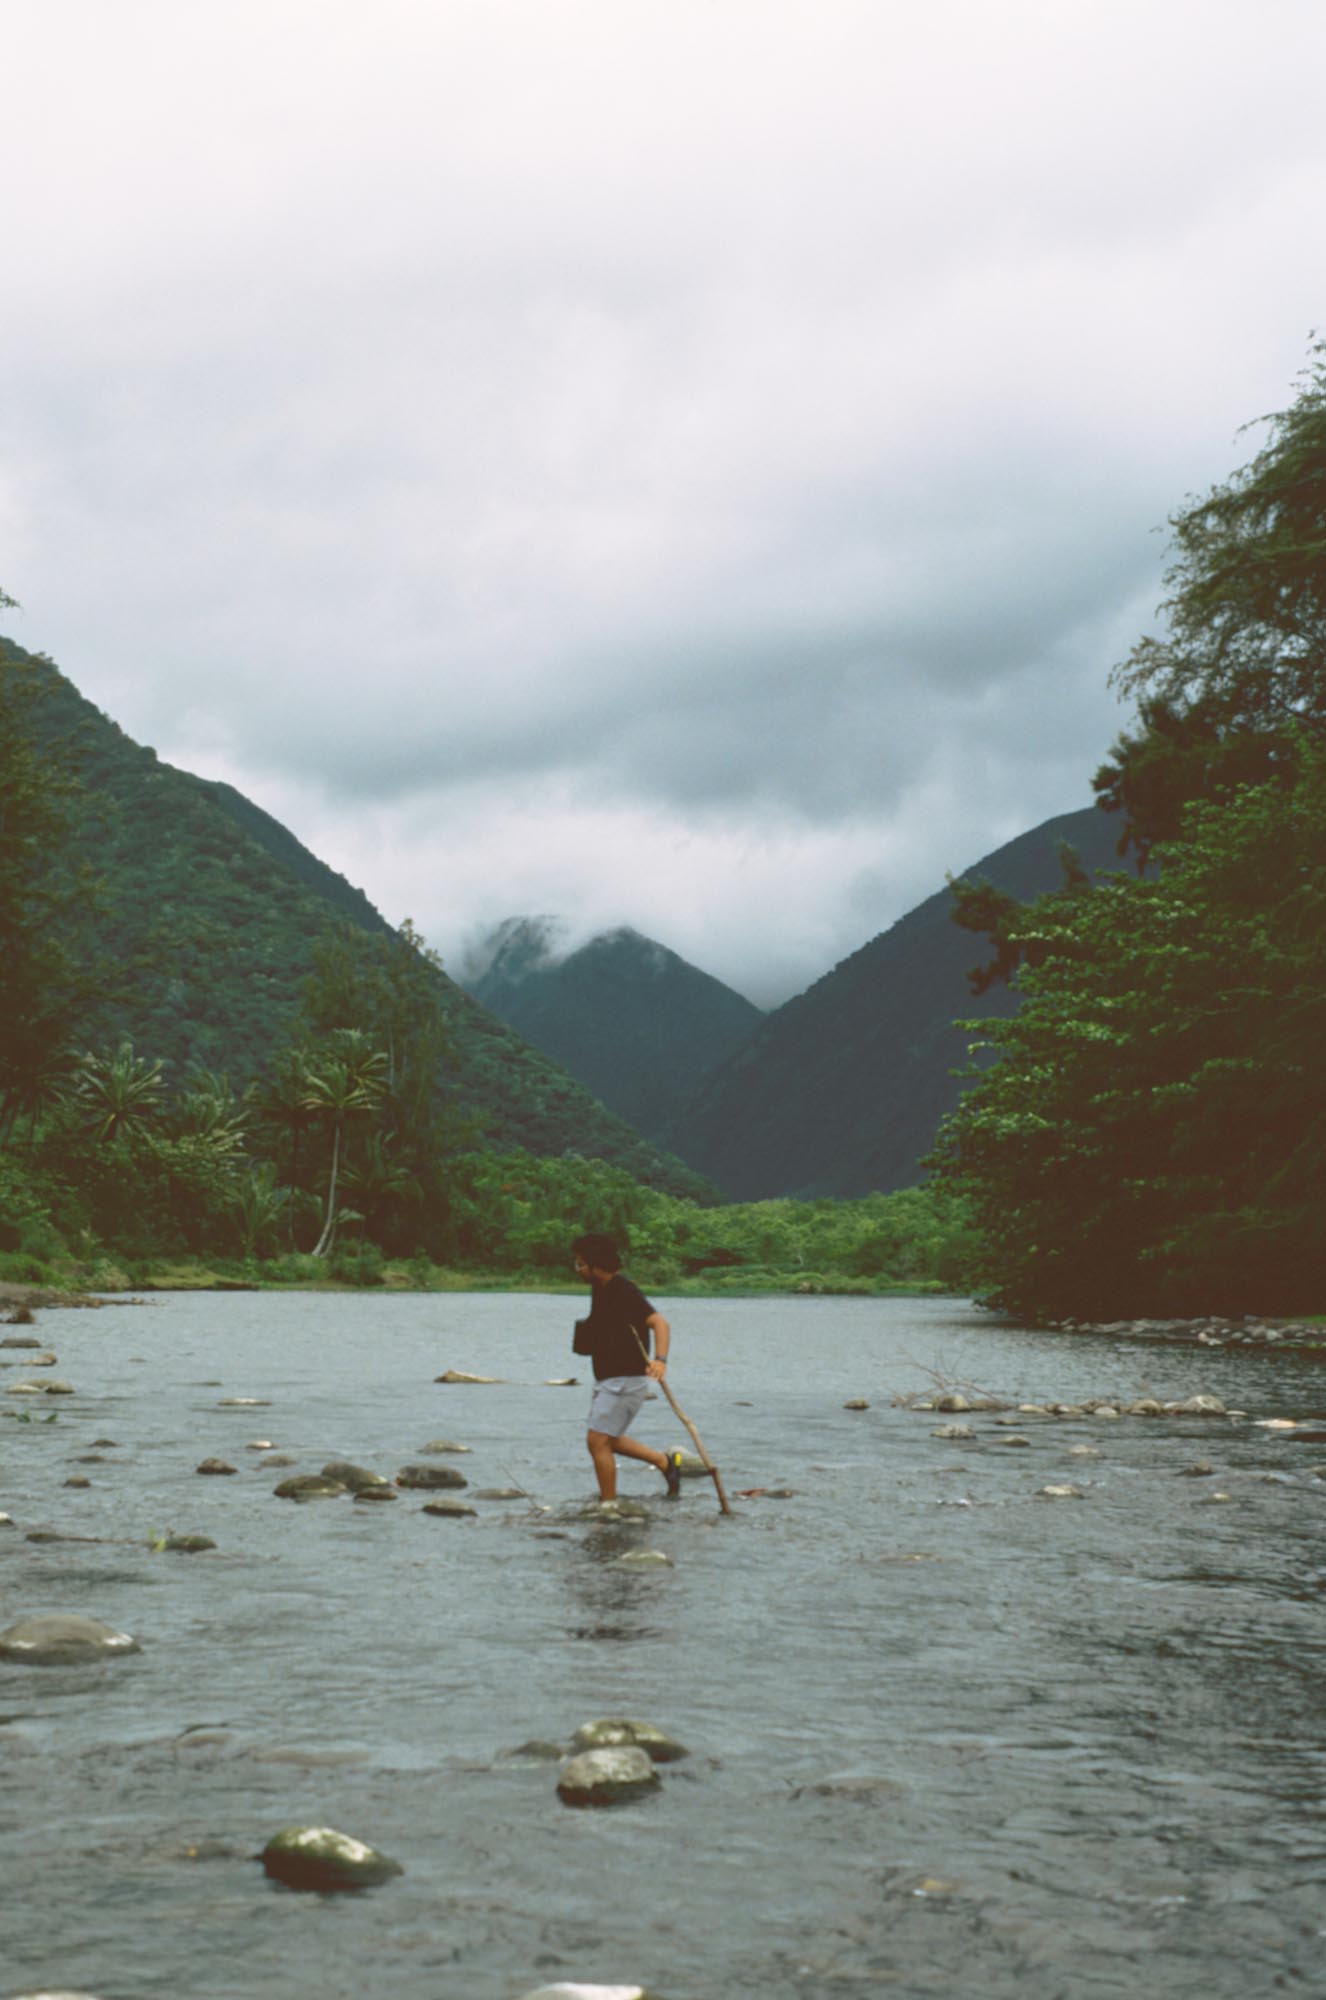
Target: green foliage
x: 1154, y: 1135
x: 1238, y: 683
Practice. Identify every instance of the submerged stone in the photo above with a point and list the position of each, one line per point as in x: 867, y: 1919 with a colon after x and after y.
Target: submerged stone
x: 1060, y: 1493
x: 373, y: 1495
x: 62, y: 1639
x: 435, y: 1446
x: 185, y: 1545
x: 643, y: 1559
x: 450, y: 1510
x: 430, y: 1477
x: 326, y: 1861
x: 536, y: 1751
x: 214, y: 1465
x: 501, y: 1493
x: 856, y: 1403
x: 606, y: 1777
x: 615, y: 1510
x: 609, y: 1732
x: 955, y: 1431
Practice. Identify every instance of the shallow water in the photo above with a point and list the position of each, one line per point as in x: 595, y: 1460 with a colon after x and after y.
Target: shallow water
x: 947, y: 1736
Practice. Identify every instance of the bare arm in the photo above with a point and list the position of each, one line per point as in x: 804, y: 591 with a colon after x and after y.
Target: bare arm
x: 662, y: 1333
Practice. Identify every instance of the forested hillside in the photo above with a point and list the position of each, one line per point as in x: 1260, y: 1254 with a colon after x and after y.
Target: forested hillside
x: 200, y: 919
x: 635, y: 1022
x: 842, y: 1090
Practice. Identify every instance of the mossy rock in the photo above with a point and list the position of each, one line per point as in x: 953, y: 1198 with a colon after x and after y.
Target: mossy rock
x: 430, y: 1478
x: 450, y: 1510
x: 324, y: 1860
x: 62, y: 1639
x: 609, y: 1732
x: 607, y: 1777
x: 355, y: 1478
x: 309, y: 1486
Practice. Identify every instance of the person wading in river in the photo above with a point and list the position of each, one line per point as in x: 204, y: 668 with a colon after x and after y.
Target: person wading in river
x: 616, y: 1336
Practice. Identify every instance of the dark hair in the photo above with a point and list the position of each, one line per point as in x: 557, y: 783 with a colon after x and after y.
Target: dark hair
x: 598, y: 1251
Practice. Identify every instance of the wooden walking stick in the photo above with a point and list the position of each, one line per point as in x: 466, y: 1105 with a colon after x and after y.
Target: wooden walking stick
x: 705, y: 1459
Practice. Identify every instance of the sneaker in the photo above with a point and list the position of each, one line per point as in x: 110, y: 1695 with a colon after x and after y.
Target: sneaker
x: 672, y: 1474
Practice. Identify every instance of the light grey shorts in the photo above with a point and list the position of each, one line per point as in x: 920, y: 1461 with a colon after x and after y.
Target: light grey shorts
x: 616, y: 1401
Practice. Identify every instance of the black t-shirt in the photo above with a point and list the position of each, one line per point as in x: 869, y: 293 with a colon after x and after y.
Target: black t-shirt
x: 614, y: 1310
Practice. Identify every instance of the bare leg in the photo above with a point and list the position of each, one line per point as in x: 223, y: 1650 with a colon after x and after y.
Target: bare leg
x: 602, y: 1449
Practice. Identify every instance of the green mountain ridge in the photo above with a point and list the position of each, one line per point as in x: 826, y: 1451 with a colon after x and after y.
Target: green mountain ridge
x: 206, y: 922
x: 637, y: 1023
x: 841, y: 1090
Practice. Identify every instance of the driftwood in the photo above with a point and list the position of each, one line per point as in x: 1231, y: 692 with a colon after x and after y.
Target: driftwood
x: 705, y: 1459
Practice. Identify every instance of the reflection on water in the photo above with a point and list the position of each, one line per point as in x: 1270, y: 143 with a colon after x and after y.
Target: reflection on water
x: 946, y: 1736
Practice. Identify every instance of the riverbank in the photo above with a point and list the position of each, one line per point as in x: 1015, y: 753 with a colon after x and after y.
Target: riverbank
x: 1208, y: 1331
x: 294, y: 1275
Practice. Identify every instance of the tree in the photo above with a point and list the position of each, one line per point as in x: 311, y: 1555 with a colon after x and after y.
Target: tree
x: 1153, y: 1136
x: 344, y: 1083
x: 39, y: 989
x: 116, y: 1096
x: 1240, y: 676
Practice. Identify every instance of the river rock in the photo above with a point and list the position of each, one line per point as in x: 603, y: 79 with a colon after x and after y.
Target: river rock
x: 952, y: 1403
x: 374, y: 1494
x: 44, y: 1360
x: 1014, y: 1440
x: 459, y: 1375
x: 450, y: 1510
x: 78, y: 1479
x: 429, y: 1477
x: 184, y: 1545
x: 244, y: 1403
x: 609, y: 1732
x: 1106, y: 1411
x: 1196, y: 1406
x: 320, y: 1858
x: 857, y: 1403
x: 565, y: 1989
x: 1084, y: 1451
x: 692, y: 1466
x: 436, y: 1446
x: 1060, y: 1493
x: 1214, y: 1499
x: 501, y: 1493
x: 606, y: 1777
x: 956, y: 1431
x: 7, y: 1521
x: 309, y: 1486
x: 214, y: 1465
x: 279, y: 1458
x: 1145, y: 1406
x: 643, y: 1559
x: 20, y: 1339
x: 62, y: 1639
x: 357, y: 1478
x: 1202, y: 1468
x: 615, y: 1510
x: 24, y: 1389
x: 261, y: 1444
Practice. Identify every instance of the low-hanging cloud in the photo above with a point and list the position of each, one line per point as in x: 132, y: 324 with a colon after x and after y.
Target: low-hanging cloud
x: 681, y: 464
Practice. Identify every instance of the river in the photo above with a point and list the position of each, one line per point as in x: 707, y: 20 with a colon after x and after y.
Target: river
x: 947, y: 1735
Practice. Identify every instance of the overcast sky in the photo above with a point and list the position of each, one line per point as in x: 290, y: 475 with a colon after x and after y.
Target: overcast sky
x: 684, y: 462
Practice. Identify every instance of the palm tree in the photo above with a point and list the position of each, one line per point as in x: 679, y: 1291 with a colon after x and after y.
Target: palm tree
x: 118, y: 1095
x: 345, y: 1083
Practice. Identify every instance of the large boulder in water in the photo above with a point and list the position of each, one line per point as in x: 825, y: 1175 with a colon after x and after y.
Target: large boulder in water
x: 61, y: 1639
x: 606, y: 1777
x: 320, y: 1858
